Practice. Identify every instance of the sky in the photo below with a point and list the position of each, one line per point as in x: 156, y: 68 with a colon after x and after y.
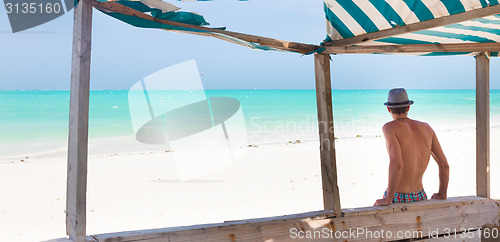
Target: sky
x: 40, y: 58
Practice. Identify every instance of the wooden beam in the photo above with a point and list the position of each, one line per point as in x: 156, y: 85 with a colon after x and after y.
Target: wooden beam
x: 331, y: 198
x: 423, y: 219
x: 415, y: 48
x: 442, y: 21
x: 78, y: 123
x: 482, y: 126
x: 275, y: 43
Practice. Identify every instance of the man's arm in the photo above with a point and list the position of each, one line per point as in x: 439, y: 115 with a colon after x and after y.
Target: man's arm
x: 444, y: 168
x: 395, y: 165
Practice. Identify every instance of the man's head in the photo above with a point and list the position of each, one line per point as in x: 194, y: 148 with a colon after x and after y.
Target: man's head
x: 397, y: 101
x: 401, y: 110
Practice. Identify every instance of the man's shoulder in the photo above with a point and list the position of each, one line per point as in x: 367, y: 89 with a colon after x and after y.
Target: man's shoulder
x: 420, y: 123
x: 389, y: 126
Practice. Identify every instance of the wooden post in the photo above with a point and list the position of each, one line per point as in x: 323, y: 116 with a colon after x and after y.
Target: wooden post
x: 78, y: 123
x: 331, y: 199
x: 482, y: 126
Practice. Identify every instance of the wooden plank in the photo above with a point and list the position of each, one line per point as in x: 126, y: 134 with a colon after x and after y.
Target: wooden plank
x: 482, y: 126
x: 310, y: 215
x: 414, y: 48
x: 490, y: 233
x: 433, y: 203
x: 276, y: 43
x: 447, y: 20
x: 424, y: 219
x: 331, y: 198
x: 78, y: 123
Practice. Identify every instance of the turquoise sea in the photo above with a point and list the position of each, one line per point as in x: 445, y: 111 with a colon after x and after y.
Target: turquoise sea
x: 37, y: 119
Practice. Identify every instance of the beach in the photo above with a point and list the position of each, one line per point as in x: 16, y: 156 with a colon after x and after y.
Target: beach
x: 271, y: 169
x: 242, y: 135
x: 134, y: 191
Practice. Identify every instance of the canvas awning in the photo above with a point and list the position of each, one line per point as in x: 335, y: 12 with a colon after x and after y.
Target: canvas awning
x: 417, y: 27
x: 420, y: 22
x: 161, y: 15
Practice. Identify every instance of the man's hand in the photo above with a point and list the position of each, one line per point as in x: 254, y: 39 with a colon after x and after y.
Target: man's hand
x: 383, y: 202
x: 438, y: 196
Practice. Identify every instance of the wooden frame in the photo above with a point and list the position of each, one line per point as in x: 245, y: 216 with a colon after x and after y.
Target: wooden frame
x: 482, y: 125
x: 76, y: 189
x: 472, y: 212
x: 421, y: 219
x: 331, y: 198
x: 414, y: 48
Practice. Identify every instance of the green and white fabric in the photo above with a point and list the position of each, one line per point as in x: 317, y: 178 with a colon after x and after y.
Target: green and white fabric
x: 349, y: 18
x: 166, y: 11
x: 158, y: 9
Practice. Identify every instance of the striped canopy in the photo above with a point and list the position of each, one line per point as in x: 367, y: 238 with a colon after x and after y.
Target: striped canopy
x: 162, y: 15
x: 448, y: 22
x: 417, y: 27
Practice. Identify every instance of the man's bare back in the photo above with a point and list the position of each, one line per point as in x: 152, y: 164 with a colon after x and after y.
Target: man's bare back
x: 414, y: 139
x: 410, y: 144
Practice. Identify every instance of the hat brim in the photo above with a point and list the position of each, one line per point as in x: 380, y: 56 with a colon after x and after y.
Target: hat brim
x: 410, y: 102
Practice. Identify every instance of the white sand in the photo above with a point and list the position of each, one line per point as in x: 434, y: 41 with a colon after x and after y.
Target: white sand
x: 132, y: 191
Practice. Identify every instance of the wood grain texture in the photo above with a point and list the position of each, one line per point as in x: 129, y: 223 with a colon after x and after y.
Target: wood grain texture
x: 424, y: 219
x: 413, y: 48
x: 78, y: 123
x: 482, y: 126
x: 447, y: 20
x: 331, y: 197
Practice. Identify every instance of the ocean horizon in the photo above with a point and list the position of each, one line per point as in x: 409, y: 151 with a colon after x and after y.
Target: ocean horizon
x: 34, y: 120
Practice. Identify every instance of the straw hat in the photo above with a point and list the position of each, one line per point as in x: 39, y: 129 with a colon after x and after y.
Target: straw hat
x: 398, y: 98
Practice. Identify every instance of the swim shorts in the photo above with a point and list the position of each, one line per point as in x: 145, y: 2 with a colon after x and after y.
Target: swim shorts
x: 408, y: 197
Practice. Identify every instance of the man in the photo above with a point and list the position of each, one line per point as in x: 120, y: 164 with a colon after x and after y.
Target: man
x: 410, y: 143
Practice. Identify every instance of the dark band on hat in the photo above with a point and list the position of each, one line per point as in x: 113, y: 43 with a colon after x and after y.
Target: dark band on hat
x: 401, y: 103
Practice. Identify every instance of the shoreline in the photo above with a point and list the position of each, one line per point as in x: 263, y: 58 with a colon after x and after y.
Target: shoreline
x: 126, y: 143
